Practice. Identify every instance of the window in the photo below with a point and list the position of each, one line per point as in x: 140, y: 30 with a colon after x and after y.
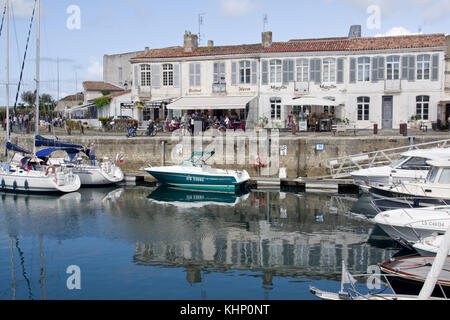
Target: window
x: 423, y: 67
x: 423, y: 107
x: 276, y: 70
x: 329, y: 70
x: 416, y: 163
x: 167, y: 74
x: 275, y: 106
x: 363, y: 108
x: 146, y: 75
x: 393, y: 67
x: 302, y: 70
x: 194, y: 74
x: 245, y: 72
x: 120, y: 74
x: 433, y: 174
x: 364, y: 69
x: 445, y: 176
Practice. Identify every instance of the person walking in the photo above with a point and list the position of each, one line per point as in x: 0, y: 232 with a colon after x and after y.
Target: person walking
x: 92, y: 154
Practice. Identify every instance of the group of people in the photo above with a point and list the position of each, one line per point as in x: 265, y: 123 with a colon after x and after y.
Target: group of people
x: 25, y: 122
x: 221, y: 122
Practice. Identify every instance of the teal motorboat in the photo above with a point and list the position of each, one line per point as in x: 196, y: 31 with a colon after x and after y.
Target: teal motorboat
x: 195, y: 174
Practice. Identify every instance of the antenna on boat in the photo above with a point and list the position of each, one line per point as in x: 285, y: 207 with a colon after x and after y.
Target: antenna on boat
x: 38, y: 57
x: 7, y: 74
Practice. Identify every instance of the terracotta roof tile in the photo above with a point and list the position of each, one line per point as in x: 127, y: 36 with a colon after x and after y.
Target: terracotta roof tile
x: 306, y: 45
x: 100, y: 86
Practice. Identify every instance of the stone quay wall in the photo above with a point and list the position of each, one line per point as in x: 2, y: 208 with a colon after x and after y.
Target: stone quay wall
x: 298, y: 154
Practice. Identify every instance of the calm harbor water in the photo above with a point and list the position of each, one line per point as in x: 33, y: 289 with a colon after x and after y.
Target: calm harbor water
x: 159, y: 243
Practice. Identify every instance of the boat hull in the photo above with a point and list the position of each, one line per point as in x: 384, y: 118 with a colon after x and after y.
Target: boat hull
x: 198, y: 181
x: 29, y: 183
x: 97, y: 177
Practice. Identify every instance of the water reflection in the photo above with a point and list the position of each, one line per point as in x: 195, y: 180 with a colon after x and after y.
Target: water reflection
x: 269, y: 233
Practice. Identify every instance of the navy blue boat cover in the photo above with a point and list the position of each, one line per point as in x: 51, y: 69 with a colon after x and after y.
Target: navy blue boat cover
x: 44, y: 142
x: 13, y: 147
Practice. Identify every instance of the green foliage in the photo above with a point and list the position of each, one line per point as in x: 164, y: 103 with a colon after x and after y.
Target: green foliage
x: 101, y: 102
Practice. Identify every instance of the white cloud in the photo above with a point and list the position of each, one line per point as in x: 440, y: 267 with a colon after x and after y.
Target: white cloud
x: 433, y: 10
x: 95, y: 69
x: 20, y: 8
x: 396, y: 31
x: 236, y: 8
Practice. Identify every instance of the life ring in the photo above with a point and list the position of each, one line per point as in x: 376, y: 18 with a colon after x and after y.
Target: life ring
x: 258, y: 162
x: 259, y: 199
x: 54, y: 172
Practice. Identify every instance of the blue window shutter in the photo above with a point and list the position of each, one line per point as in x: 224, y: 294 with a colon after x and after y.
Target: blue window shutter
x: 176, y: 75
x: 381, y: 67
x: 156, y: 76
x: 374, y: 69
x: 340, y: 70
x: 136, y: 76
x: 405, y: 63
x: 285, y: 71
x: 233, y: 73
x: 198, y: 74
x: 254, y: 72
x: 191, y: 75
x: 318, y: 77
x: 352, y: 70
x: 412, y: 68
x: 435, y: 67
x: 265, y: 72
x: 312, y: 70
x: 291, y: 70
x: 216, y: 72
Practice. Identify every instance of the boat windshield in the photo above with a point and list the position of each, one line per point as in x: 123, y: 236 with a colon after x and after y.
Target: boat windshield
x: 432, y: 174
x: 445, y: 176
x: 397, y: 162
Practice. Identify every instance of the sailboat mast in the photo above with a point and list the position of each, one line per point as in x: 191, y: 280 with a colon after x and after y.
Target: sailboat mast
x: 38, y: 58
x: 7, y: 72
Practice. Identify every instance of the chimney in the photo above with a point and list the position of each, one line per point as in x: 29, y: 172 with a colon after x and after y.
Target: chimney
x: 355, y: 32
x: 210, y: 43
x: 190, y: 42
x: 267, y: 39
x: 147, y: 49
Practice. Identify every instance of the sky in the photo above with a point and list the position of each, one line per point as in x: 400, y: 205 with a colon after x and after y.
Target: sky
x: 80, y: 32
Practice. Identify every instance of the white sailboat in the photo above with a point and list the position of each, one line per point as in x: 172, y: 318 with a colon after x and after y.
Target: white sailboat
x: 30, y: 174
x: 431, y: 282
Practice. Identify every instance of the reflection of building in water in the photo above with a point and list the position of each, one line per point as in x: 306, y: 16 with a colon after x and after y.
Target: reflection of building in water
x: 265, y: 249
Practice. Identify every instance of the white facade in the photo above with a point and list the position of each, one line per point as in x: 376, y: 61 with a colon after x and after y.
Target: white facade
x: 279, y: 77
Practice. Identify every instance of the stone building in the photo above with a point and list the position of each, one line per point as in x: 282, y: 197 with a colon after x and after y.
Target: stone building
x: 117, y: 69
x: 380, y: 80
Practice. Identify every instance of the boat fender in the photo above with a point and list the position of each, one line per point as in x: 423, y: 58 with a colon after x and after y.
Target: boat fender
x: 14, y: 185
x: 3, y: 183
x: 258, y: 162
x: 26, y: 185
x: 54, y: 172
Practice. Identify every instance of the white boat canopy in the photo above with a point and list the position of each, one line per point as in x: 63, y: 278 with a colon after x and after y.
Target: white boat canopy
x: 210, y: 103
x: 313, y: 101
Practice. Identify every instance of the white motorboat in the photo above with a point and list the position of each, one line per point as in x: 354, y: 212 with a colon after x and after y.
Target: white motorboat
x: 430, y: 245
x: 194, y: 174
x: 409, y: 225
x: 434, y: 190
x: 103, y: 173
x: 411, y: 166
x: 32, y: 175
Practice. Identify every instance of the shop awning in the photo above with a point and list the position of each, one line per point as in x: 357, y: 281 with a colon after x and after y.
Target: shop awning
x: 210, y: 103
x: 312, y: 101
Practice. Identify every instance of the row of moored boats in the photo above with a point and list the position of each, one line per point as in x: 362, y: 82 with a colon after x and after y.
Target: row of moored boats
x: 412, y: 197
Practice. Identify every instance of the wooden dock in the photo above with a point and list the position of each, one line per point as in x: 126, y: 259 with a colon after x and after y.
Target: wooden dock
x: 305, y: 185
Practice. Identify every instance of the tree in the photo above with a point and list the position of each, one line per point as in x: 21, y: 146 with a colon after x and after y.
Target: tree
x: 29, y: 97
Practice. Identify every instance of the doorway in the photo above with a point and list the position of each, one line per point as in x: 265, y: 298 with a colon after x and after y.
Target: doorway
x: 387, y: 112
